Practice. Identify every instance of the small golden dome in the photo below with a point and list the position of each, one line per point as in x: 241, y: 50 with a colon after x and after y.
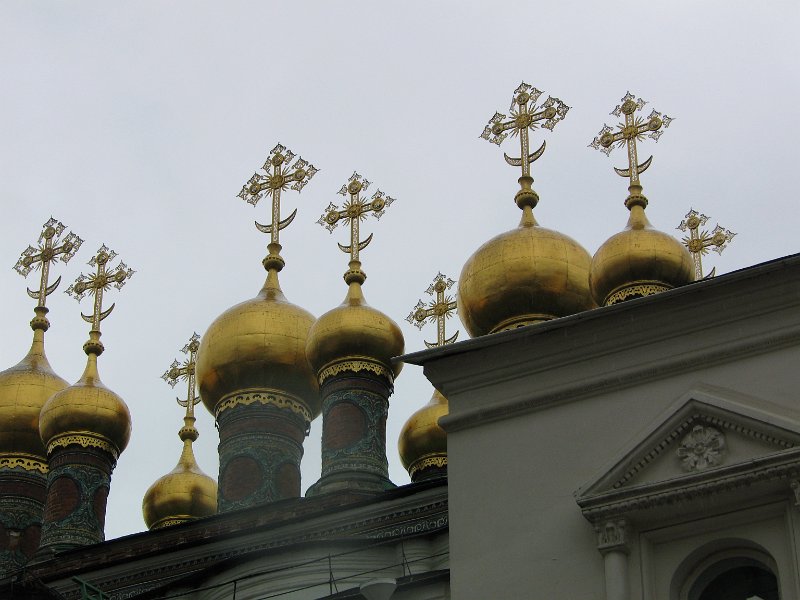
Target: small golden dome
x: 183, y: 494
x: 354, y: 331
x: 638, y: 261
x: 24, y: 389
x: 523, y: 276
x: 86, y: 413
x: 423, y: 443
x: 256, y: 345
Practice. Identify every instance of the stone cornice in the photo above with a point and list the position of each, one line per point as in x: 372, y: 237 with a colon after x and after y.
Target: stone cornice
x: 773, y: 468
x: 749, y: 312
x: 423, y: 357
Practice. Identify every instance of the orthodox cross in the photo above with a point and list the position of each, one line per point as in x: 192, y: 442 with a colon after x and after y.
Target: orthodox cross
x: 354, y: 210
x: 185, y: 370
x: 438, y: 310
x: 698, y: 242
x: 278, y: 176
x: 98, y: 282
x: 50, y: 247
x: 525, y: 115
x: 628, y: 133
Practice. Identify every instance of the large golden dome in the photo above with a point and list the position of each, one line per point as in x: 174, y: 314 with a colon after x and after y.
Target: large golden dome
x: 354, y: 332
x: 183, y: 494
x: 423, y: 443
x: 86, y: 413
x: 523, y: 276
x: 24, y: 389
x: 638, y: 261
x: 256, y: 345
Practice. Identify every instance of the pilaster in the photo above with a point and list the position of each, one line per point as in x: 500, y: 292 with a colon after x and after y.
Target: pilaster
x: 612, y: 542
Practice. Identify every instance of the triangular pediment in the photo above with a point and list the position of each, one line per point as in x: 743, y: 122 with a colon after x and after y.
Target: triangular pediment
x: 707, y: 430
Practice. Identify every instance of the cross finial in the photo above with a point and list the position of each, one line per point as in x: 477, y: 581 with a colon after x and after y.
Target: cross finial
x: 185, y: 370
x: 525, y: 115
x: 95, y: 284
x: 698, y: 242
x: 633, y: 129
x: 438, y: 311
x: 277, y: 176
x: 355, y: 210
x: 50, y: 247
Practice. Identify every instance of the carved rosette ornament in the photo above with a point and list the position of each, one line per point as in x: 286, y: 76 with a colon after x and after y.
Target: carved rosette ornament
x: 702, y: 448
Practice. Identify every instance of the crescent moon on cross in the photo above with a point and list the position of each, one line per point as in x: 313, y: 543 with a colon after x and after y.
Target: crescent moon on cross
x: 281, y: 224
x: 517, y: 162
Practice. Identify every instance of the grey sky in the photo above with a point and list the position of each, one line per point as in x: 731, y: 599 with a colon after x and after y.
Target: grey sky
x: 137, y: 123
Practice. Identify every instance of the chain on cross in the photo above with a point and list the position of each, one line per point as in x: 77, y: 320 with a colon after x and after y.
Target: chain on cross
x: 355, y: 210
x: 634, y: 129
x: 525, y: 115
x: 699, y: 241
x: 100, y: 281
x: 50, y: 247
x: 438, y: 310
x: 277, y: 176
x: 185, y: 370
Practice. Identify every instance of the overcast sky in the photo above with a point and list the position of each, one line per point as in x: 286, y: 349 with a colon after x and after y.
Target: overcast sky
x: 137, y: 123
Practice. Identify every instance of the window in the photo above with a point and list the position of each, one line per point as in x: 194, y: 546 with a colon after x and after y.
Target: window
x: 735, y: 578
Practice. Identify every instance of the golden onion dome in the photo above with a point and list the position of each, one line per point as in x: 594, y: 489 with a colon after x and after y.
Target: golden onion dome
x: 423, y: 443
x: 638, y: 261
x: 183, y: 494
x: 523, y: 276
x: 354, y: 332
x: 87, y: 412
x: 258, y: 344
x: 24, y: 389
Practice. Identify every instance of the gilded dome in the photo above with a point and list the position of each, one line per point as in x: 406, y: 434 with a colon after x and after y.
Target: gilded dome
x: 638, y: 261
x: 523, y: 276
x: 256, y: 345
x: 354, y: 331
x: 423, y: 443
x: 86, y: 413
x: 183, y: 494
x: 24, y: 389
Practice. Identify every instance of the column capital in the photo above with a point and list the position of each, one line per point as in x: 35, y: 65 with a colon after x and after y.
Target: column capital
x: 613, y: 535
x: 795, y: 485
